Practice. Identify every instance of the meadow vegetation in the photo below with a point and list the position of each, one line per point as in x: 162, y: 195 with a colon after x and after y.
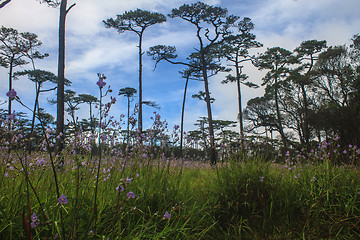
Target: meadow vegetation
x: 147, y: 192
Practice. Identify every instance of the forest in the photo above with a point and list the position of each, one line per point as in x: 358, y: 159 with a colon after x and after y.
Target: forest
x: 99, y: 177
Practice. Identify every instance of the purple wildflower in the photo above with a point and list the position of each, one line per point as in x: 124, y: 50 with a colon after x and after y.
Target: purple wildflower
x: 11, y: 94
x: 33, y: 224
x: 101, y: 83
x: 261, y: 178
x: 34, y: 217
x: 120, y: 188
x: 63, y: 200
x: 128, y: 180
x: 130, y: 194
x: 167, y: 215
x: 34, y: 221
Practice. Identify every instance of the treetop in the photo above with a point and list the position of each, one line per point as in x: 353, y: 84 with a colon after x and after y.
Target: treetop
x: 131, y: 20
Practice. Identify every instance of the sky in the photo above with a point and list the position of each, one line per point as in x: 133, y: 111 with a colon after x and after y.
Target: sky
x: 91, y: 48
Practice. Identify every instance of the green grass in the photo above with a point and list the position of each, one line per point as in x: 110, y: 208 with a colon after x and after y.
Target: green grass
x: 248, y: 200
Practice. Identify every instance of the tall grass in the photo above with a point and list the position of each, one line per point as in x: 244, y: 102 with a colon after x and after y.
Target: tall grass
x: 248, y: 199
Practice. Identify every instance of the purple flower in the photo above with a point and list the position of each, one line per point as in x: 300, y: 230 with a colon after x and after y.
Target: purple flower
x: 63, y: 200
x: 120, y: 188
x: 130, y: 194
x: 167, y: 215
x: 34, y: 221
x: 128, y: 180
x: 101, y: 83
x: 261, y: 178
x: 33, y: 224
x: 11, y: 94
x: 34, y: 217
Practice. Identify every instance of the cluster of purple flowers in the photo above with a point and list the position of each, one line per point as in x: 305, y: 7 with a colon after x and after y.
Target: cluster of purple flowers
x: 34, y: 221
x: 101, y: 82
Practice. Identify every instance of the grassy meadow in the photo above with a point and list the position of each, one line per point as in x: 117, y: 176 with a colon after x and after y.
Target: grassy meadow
x: 143, y: 195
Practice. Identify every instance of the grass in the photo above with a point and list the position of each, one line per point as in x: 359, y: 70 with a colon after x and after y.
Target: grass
x: 251, y: 199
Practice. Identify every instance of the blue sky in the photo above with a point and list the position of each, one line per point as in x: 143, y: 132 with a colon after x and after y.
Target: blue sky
x: 91, y: 48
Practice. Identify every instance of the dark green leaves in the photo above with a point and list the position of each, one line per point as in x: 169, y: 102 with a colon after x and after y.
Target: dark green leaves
x: 136, y: 21
x: 128, y: 92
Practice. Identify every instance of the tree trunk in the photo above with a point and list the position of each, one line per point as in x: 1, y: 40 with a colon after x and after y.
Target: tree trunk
x: 279, y: 118
x: 10, y: 83
x: 208, y: 105
x: 182, y: 117
x: 140, y: 124
x: 38, y: 85
x: 128, y: 118
x: 306, y: 133
x: 91, y: 119
x: 238, y: 73
x: 61, y: 78
x: 306, y: 128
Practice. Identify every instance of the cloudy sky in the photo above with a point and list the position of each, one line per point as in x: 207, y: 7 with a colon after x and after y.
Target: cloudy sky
x: 92, y: 49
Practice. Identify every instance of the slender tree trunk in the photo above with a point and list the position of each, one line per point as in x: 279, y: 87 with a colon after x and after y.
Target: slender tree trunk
x: 35, y: 107
x: 306, y: 129
x: 91, y: 119
x: 140, y: 124
x: 128, y: 118
x: 238, y: 73
x: 182, y: 117
x: 61, y: 78
x: 10, y: 83
x: 279, y: 118
x: 36, y: 104
x: 306, y: 106
x: 208, y: 105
